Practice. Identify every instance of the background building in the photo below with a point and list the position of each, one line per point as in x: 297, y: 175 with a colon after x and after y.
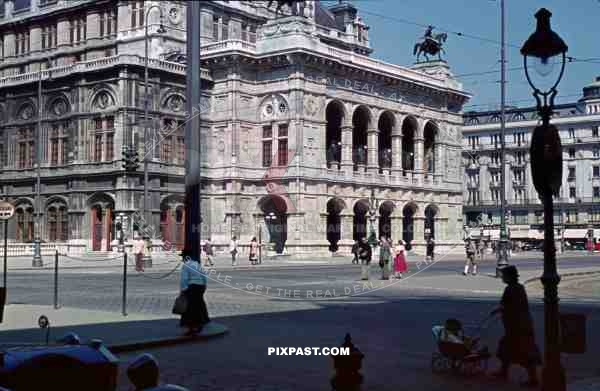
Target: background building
x: 577, y: 209
x: 278, y: 94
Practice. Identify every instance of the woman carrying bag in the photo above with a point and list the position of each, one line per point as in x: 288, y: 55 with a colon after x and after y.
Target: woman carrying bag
x: 400, y: 265
x: 253, y: 257
x: 193, y: 285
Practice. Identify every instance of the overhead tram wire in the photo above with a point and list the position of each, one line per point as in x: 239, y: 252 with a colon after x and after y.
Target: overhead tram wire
x: 570, y: 59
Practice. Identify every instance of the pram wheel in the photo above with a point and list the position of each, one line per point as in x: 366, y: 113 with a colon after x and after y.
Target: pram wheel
x: 439, y: 363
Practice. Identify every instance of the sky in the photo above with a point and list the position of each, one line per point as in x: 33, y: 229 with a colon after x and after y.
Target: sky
x: 577, y: 21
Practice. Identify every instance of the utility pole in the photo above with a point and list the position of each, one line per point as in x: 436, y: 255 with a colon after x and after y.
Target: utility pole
x: 503, y: 243
x: 37, y: 242
x: 192, y: 133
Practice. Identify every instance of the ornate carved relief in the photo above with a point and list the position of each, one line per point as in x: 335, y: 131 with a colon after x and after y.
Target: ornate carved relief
x: 175, y: 15
x: 26, y: 111
x: 175, y: 103
x: 273, y: 107
x: 103, y: 100
x: 312, y: 105
x: 59, y: 106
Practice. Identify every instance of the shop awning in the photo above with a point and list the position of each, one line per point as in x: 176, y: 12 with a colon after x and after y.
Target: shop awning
x: 535, y: 234
x: 575, y: 233
x: 519, y: 232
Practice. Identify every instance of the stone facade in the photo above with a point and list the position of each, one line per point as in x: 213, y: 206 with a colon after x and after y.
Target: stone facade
x: 577, y: 210
x: 278, y: 93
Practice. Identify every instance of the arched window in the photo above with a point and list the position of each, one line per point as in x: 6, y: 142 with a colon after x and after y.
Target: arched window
x: 473, y: 121
x: 24, y: 224
x: 495, y: 119
x: 52, y: 224
x: 63, y: 220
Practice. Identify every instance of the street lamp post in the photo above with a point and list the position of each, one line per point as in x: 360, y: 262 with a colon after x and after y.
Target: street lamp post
x: 147, y: 259
x: 501, y: 250
x: 270, y: 219
x: 37, y: 241
x: 373, y: 203
x: 545, y: 48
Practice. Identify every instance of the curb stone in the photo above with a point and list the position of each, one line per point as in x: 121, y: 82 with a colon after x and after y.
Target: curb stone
x: 573, y: 274
x: 216, y: 330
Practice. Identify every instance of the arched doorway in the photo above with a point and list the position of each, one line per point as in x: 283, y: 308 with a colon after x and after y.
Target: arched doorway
x: 429, y: 144
x: 101, y: 220
x: 408, y: 223
x: 360, y: 124
x: 97, y: 228
x: 274, y: 210
x: 430, y: 213
x: 385, y: 219
x: 334, y: 208
x: 361, y: 209
x: 172, y: 220
x: 385, y: 126
x: 25, y: 226
x: 409, y: 129
x: 334, y: 115
x: 179, y: 227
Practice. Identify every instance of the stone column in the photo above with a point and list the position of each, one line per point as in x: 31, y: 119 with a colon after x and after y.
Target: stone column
x: 373, y: 150
x: 347, y: 164
x: 9, y: 44
x: 123, y: 16
x: 419, y: 234
x: 35, y: 39
x: 8, y: 9
x: 397, y: 228
x: 63, y: 37
x: 418, y: 171
x: 235, y: 29
x: 396, y: 153
x: 206, y: 25
x: 93, y: 26
x: 346, y: 225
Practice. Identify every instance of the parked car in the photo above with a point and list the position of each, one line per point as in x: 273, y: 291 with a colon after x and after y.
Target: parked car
x: 533, y: 246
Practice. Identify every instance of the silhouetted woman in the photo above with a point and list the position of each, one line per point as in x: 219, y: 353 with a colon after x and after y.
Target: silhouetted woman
x: 518, y: 344
x: 193, y: 286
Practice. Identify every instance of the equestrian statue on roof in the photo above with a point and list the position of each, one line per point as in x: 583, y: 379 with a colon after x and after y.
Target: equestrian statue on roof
x: 430, y: 44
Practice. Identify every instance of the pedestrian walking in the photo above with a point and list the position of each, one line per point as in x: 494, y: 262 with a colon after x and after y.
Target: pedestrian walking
x: 354, y: 251
x: 400, y: 265
x: 138, y: 251
x: 193, y: 286
x: 233, y: 250
x: 253, y: 257
x: 518, y: 344
x: 430, y: 249
x: 208, y: 251
x: 364, y: 254
x: 385, y: 256
x: 471, y: 260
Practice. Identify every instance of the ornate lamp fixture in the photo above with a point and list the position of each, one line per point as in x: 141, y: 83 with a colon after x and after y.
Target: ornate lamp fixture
x: 543, y: 49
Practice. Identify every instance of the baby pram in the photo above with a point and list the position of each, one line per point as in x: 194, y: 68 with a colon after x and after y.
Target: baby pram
x: 457, y: 352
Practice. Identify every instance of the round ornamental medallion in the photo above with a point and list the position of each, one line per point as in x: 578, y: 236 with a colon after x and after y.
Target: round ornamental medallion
x: 176, y: 103
x: 26, y: 112
x: 59, y: 107
x: 103, y: 100
x: 175, y: 15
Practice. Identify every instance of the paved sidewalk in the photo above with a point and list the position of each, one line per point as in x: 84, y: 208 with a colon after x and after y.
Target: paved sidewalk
x: 168, y: 261
x: 121, y: 333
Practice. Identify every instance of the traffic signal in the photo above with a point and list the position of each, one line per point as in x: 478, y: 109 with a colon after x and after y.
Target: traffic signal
x: 130, y: 159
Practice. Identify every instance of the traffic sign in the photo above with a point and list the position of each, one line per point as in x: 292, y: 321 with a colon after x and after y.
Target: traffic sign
x: 7, y: 210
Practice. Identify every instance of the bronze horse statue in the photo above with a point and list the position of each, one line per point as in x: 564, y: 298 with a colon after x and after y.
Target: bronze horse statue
x: 293, y: 4
x: 431, y: 46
